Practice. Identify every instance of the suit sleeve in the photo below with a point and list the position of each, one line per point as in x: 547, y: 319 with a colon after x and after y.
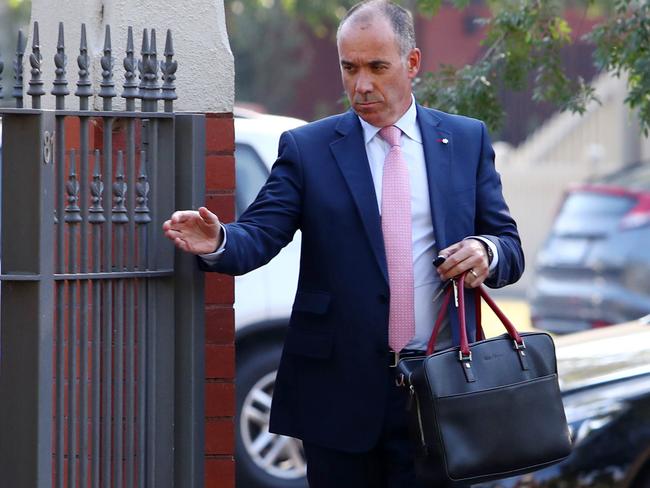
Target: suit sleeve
x: 270, y: 222
x: 493, y: 219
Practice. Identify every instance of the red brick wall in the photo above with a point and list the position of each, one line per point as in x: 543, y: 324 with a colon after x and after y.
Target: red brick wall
x: 219, y: 314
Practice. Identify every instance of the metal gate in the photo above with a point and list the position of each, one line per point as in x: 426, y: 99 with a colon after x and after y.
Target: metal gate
x: 101, y: 366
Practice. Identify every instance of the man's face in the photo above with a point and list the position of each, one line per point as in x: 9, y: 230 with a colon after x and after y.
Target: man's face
x: 376, y: 77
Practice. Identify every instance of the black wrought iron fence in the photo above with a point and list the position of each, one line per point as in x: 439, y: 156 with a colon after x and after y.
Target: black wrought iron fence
x: 101, y: 345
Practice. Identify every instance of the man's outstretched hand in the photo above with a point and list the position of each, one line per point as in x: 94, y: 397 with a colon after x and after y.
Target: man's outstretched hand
x: 194, y: 232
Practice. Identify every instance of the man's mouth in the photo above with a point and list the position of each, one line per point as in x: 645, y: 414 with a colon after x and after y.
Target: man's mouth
x: 366, y: 104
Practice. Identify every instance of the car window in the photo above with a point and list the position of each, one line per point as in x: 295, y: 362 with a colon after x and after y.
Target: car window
x: 591, y: 214
x: 251, y: 175
x: 634, y: 177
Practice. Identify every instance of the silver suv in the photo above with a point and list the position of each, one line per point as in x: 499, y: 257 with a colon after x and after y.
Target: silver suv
x: 263, y: 300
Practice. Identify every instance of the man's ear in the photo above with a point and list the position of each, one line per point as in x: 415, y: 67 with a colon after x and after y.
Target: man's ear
x: 413, y: 61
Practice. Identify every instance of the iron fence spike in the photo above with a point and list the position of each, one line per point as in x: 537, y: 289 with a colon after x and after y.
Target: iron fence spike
x: 18, y: 70
x: 152, y: 43
x: 107, y: 38
x: 144, y: 52
x: 145, y: 42
x: 35, y: 89
x: 84, y: 86
x: 129, y: 40
x: 168, y: 68
x: 130, y: 86
x: 107, y: 90
x: 149, y: 91
x: 36, y: 41
x: 60, y: 89
x: 169, y: 44
x: 60, y: 42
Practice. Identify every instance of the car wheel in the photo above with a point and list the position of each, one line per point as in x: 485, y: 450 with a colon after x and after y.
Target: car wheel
x: 264, y: 460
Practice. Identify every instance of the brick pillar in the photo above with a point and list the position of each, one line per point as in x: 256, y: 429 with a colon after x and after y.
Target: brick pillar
x: 219, y: 313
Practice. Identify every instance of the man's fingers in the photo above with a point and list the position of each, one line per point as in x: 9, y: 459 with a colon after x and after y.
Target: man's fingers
x: 181, y: 244
x: 462, y: 257
x: 173, y: 234
x: 454, y: 255
x: 182, y: 216
x: 208, y: 217
x: 474, y: 278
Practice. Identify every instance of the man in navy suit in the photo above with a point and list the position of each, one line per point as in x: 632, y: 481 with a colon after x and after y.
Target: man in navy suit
x: 335, y: 387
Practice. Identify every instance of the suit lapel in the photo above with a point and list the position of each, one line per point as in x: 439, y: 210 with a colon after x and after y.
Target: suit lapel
x: 437, y: 155
x: 350, y: 154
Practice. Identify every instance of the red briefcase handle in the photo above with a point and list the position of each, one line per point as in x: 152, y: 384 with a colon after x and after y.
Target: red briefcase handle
x: 459, y: 285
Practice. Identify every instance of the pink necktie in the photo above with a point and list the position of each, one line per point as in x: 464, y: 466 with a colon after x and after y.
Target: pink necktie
x: 396, y: 227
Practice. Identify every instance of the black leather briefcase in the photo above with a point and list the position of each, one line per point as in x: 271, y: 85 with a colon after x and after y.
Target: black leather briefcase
x: 486, y: 410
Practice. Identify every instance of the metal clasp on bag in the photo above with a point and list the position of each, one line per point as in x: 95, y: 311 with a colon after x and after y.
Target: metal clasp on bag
x: 464, y: 358
x: 466, y: 361
x: 521, y: 352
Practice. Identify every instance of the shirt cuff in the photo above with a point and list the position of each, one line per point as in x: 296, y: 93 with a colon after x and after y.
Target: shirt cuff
x: 493, y: 248
x: 213, y: 257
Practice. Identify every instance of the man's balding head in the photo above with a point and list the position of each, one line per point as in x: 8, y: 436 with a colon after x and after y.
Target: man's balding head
x: 398, y: 17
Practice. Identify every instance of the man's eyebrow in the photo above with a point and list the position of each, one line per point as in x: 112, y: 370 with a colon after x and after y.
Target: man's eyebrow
x: 372, y: 63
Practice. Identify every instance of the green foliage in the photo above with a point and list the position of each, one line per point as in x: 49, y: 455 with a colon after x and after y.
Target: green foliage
x: 623, y: 47
x: 268, y: 44
x: 466, y: 91
x: 524, y: 37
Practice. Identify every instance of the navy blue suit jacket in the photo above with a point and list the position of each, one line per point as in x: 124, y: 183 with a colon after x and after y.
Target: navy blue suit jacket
x: 330, y: 388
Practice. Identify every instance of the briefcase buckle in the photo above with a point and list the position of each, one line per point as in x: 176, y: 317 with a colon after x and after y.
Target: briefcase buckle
x: 462, y: 357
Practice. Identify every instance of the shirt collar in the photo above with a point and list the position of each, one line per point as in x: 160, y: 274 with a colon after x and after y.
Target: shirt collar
x: 407, y: 124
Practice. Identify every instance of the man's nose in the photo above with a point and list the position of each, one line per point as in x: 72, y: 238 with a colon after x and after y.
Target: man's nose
x: 364, y: 84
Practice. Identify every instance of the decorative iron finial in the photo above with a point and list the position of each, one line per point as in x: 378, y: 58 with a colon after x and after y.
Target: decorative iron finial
x: 130, y: 92
x: 84, y: 86
x: 149, y: 89
x: 96, y: 191
x: 72, y: 210
x: 168, y: 68
x: 107, y: 91
x: 18, y: 70
x: 153, y: 65
x: 60, y: 89
x: 142, y: 213
x: 36, y: 82
x: 119, y: 193
x: 144, y: 52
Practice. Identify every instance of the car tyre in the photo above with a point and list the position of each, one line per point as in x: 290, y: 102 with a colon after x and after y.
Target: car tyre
x: 263, y: 460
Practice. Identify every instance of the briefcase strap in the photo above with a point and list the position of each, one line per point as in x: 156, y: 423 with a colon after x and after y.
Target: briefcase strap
x: 458, y: 287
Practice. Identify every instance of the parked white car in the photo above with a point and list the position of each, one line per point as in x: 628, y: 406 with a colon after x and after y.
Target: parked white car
x: 263, y: 300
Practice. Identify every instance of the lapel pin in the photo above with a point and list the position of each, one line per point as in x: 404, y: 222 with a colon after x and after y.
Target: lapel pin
x: 444, y: 141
